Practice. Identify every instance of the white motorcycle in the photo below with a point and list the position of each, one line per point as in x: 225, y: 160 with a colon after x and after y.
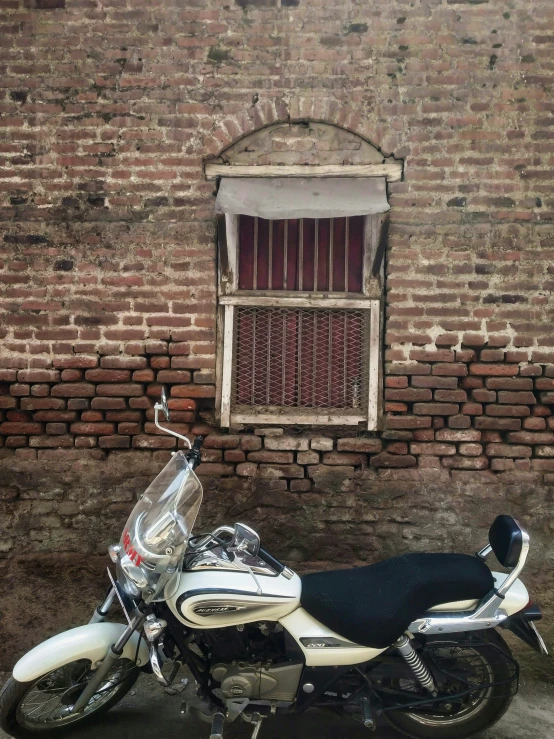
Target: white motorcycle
x: 411, y: 638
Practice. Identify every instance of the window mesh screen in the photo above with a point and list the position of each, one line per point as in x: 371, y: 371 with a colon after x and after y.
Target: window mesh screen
x: 302, y: 358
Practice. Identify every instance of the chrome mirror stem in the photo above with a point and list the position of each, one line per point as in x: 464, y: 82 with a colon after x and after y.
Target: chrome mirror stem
x: 159, y: 407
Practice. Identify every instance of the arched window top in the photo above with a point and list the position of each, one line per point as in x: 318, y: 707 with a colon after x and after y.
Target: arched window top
x: 304, y: 149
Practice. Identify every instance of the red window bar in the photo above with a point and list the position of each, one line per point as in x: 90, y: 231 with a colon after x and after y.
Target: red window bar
x: 309, y: 255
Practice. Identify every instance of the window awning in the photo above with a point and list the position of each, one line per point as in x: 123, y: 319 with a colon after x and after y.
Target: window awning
x: 287, y: 197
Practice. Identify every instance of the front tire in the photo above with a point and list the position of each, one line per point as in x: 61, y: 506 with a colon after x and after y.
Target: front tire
x: 493, y: 665
x: 42, y: 707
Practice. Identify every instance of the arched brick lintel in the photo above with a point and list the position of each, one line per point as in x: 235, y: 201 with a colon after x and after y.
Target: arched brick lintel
x: 230, y: 129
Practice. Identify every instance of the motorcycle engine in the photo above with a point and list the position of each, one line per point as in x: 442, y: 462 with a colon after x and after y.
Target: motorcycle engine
x: 257, y: 681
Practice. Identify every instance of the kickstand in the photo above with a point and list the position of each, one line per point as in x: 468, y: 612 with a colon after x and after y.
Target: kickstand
x: 257, y: 720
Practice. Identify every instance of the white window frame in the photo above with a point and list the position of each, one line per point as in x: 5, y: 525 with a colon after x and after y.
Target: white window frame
x: 230, y: 296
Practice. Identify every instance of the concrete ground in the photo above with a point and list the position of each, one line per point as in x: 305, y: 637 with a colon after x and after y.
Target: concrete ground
x: 149, y: 712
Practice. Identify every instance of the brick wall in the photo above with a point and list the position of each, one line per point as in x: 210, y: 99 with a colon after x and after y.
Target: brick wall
x: 107, y: 262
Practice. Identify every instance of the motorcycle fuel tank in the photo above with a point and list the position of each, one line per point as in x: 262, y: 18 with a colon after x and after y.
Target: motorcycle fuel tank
x: 213, y: 600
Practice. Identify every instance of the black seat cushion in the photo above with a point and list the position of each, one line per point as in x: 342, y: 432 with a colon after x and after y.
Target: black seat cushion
x: 374, y: 605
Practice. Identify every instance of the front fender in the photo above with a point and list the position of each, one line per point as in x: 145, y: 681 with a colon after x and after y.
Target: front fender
x: 85, y: 642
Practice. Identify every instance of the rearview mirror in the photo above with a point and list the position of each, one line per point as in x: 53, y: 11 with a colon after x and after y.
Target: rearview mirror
x: 245, y: 540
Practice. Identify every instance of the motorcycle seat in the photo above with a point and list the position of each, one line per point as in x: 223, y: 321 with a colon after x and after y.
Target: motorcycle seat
x: 373, y: 605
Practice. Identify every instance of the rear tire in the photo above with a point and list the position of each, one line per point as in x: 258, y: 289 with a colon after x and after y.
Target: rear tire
x: 486, y: 708
x: 57, y: 690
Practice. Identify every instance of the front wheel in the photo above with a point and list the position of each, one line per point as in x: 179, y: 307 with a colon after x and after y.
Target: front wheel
x: 44, y: 705
x: 479, y: 665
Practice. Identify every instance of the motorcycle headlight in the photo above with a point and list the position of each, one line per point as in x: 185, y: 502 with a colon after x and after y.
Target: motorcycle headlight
x: 133, y: 573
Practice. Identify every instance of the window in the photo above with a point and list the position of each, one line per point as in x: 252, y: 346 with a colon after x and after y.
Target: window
x: 300, y: 304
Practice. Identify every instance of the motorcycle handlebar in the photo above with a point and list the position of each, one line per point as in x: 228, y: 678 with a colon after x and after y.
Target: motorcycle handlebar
x: 194, y: 454
x: 271, y: 561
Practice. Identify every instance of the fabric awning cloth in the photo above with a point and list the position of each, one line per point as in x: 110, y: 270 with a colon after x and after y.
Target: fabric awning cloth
x: 288, y: 197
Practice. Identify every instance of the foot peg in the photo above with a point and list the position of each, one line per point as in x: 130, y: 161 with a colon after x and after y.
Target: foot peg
x: 367, y: 716
x: 217, y: 726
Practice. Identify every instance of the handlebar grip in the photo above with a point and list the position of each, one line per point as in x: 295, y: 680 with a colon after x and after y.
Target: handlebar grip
x: 194, y: 453
x: 271, y: 561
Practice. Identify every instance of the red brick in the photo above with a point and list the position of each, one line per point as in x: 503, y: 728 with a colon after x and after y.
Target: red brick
x: 19, y: 427
x: 471, y: 382
x: 411, y: 368
x: 359, y: 444
x: 73, y: 390
x: 432, y: 381
x: 38, y: 375
x: 123, y: 362
x: 398, y: 382
x: 55, y: 416
x: 342, y: 458
x: 436, y: 409
x: 534, y: 424
x: 508, y: 410
x: 92, y: 429
x: 8, y: 375
x: 392, y: 460
x: 476, y: 340
x: 508, y: 450
x: 408, y: 394
x: 545, y: 398
x: 408, y: 422
x: 32, y: 404
x: 234, y: 455
x: 531, y: 370
x: 456, y: 435
x: 491, y: 355
x: 509, y: 383
x: 105, y: 375
x: 466, y: 463
x: 394, y: 406
x: 51, y: 442
x: 494, y: 370
x: 543, y: 465
x: 250, y: 443
x: 511, y: 397
x: 470, y: 450
x: 472, y: 409
x: 124, y: 389
x: 56, y: 428
x: 483, y: 396
x: 528, y: 437
x: 221, y: 441
x: 214, y: 469
x: 193, y: 391
x: 75, y: 362
x: 144, y: 375
x: 72, y: 375
x: 451, y: 396
x: 176, y: 376
x: 114, y: 442
x: 424, y: 435
x: 142, y: 441
x: 423, y: 355
x: 18, y: 390
x: 92, y: 416
x: 451, y: 370
x: 498, y: 424
x: 160, y: 362
x: 270, y: 457
x: 108, y: 404
x: 16, y: 442
x: 432, y: 448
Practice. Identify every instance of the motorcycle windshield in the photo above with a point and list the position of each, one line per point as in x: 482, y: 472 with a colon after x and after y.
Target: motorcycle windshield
x: 157, y: 532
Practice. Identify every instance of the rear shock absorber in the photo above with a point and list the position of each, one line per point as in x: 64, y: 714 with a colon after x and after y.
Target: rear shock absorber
x: 416, y: 665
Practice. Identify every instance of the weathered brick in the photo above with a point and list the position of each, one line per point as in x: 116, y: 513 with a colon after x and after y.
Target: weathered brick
x: 321, y: 444
x: 432, y: 381
x: 544, y: 451
x: 451, y: 396
x: 281, y: 470
x: 20, y: 427
x: 343, y: 458
x: 119, y: 390
x: 92, y: 429
x: 213, y: 469
x: 409, y: 394
x: 434, y: 449
x: 359, y: 444
x: 498, y: 424
x: 287, y: 442
x: 470, y: 450
x: 451, y: 370
x: 234, y: 455
x: 38, y: 375
x: 74, y: 390
x: 466, y: 463
x: 310, y: 457
x: 221, y: 441
x: 508, y: 450
x: 114, y: 442
x: 144, y: 441
x: 508, y: 410
x: 75, y: 362
x: 250, y: 443
x: 435, y: 409
x: 530, y: 437
x: 411, y: 368
x: 247, y: 469
x: 174, y: 376
x: 123, y: 362
x: 511, y: 397
x: 456, y: 435
x: 271, y: 457
x: 494, y: 370
x: 51, y: 442
x: 106, y: 375
x: 108, y: 403
x: 384, y: 459
x: 408, y: 422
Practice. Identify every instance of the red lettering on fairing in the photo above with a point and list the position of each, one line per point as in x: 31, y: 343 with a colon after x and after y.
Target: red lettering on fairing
x: 132, y: 553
